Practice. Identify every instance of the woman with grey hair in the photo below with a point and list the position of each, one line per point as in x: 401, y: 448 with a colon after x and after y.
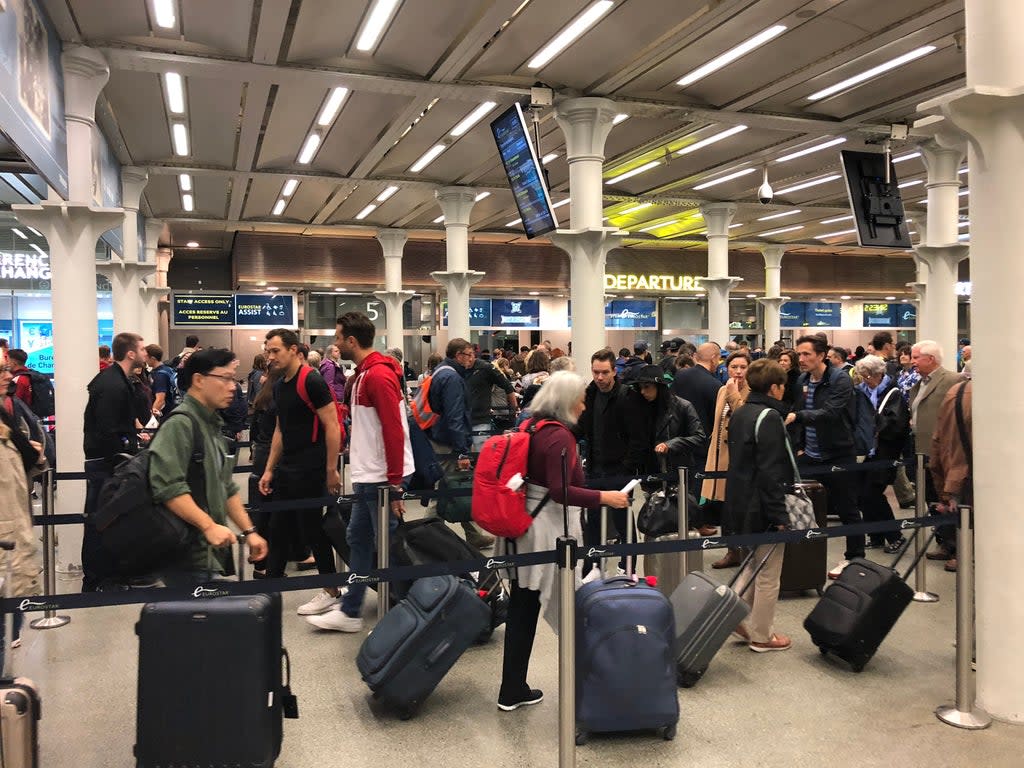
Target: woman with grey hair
x: 560, y: 400
x: 892, y: 429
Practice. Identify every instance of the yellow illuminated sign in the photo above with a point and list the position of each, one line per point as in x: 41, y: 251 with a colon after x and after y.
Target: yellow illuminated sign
x: 652, y: 283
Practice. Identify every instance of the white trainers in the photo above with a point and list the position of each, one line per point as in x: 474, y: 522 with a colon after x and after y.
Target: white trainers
x: 337, y: 621
x: 321, y: 603
x: 837, y: 571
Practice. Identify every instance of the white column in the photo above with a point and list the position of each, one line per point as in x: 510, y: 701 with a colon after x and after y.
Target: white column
x: 392, y: 243
x: 717, y: 218
x: 586, y: 123
x: 85, y: 74
x: 153, y: 285
x: 457, y: 204
x: 773, y: 298
x: 991, y: 111
x: 124, y: 274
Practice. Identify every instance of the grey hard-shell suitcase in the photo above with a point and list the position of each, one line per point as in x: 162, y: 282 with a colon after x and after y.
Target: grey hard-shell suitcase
x: 415, y: 644
x: 19, y: 702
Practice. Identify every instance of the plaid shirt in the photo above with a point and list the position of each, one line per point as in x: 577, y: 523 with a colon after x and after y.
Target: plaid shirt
x: 906, y: 382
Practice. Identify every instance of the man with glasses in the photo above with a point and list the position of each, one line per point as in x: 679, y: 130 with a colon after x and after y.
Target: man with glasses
x: 303, y: 461
x: 209, y: 375
x: 452, y: 433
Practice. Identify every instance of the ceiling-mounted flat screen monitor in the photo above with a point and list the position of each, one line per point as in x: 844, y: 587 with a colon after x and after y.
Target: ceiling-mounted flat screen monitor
x: 524, y: 172
x: 876, y: 203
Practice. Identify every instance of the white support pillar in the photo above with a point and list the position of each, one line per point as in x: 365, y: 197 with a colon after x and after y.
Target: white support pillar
x: 392, y: 243
x: 773, y: 298
x: 85, y: 75
x: 586, y: 123
x: 990, y: 110
x: 457, y: 204
x: 125, y: 274
x: 717, y: 218
x: 153, y: 285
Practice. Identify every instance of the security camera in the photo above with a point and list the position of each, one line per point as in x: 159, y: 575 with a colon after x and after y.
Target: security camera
x: 765, y: 193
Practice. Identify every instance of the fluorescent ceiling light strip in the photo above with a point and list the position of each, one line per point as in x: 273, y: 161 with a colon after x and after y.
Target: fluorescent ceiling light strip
x: 564, y: 202
x: 780, y: 215
x: 781, y: 231
x: 658, y: 226
x: 963, y: 224
x: 731, y: 55
x: 836, y: 219
x: 549, y: 157
x: 712, y: 139
x: 387, y: 194
x: 333, y: 105
x: 962, y: 171
x: 912, y: 183
x: 163, y: 12
x: 481, y: 196
x: 514, y: 223
x: 34, y: 231
x: 179, y: 134
x: 568, y: 36
x: 19, y: 233
x: 835, y: 234
x: 439, y: 219
x: 904, y: 158
x: 309, y: 148
x: 634, y: 209
x: 289, y: 186
x: 733, y: 226
x: 473, y: 118
x: 810, y: 150
x: 279, y: 207
x: 963, y: 193
x: 37, y: 249
x: 175, y: 92
x: 428, y: 157
x: 727, y: 177
x: 808, y: 184
x: 185, y: 182
x: 620, y: 118
x: 850, y: 82
x: 188, y: 202
x: 366, y: 212
x: 964, y: 236
x: 635, y: 172
x: 376, y: 22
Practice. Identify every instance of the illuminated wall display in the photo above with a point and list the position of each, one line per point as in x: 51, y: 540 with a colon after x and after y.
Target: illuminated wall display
x: 24, y: 266
x: 652, y: 283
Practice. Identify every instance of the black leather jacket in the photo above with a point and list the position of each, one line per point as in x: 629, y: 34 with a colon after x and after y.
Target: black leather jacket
x: 669, y: 419
x: 831, y: 416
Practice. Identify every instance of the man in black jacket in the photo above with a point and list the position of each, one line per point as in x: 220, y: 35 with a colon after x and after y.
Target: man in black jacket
x: 603, y: 429
x: 699, y: 386
x: 109, y: 430
x: 824, y: 428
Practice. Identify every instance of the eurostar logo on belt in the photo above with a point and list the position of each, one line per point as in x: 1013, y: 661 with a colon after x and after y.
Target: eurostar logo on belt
x: 200, y: 592
x: 814, y: 533
x: 495, y: 564
x: 595, y: 552
x: 355, y: 578
x: 32, y: 605
x: 712, y: 544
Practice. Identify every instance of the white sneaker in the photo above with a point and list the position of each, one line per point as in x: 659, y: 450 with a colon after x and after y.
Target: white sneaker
x: 321, y: 603
x: 837, y: 571
x: 337, y: 621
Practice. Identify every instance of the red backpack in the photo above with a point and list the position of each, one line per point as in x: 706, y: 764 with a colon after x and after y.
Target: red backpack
x: 340, y: 408
x: 497, y: 508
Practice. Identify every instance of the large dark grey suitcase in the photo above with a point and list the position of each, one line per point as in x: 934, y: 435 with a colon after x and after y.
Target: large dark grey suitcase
x: 20, y: 705
x: 210, y: 683
x: 415, y: 644
x: 806, y: 563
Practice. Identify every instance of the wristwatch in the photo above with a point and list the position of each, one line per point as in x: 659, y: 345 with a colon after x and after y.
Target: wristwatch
x: 247, y: 531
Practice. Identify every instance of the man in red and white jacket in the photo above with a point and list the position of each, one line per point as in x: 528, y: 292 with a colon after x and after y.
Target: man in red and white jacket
x: 379, y: 455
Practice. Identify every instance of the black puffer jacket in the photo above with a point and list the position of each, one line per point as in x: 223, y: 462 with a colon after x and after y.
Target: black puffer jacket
x: 669, y: 419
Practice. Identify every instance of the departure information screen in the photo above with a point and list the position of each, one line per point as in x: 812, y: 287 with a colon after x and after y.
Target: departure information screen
x: 524, y: 172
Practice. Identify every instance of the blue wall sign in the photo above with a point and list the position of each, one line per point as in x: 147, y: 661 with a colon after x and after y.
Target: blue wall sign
x: 515, y: 313
x: 268, y: 311
x: 631, y: 313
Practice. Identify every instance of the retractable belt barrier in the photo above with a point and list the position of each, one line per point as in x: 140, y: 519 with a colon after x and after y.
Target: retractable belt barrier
x: 412, y: 572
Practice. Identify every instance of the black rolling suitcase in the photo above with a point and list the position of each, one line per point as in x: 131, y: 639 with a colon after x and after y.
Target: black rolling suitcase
x: 857, y: 611
x: 806, y: 563
x: 210, y: 683
x: 415, y: 644
x: 20, y: 705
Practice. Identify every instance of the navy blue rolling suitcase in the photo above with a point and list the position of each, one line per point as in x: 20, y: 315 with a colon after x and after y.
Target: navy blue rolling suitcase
x: 625, y: 659
x: 415, y: 644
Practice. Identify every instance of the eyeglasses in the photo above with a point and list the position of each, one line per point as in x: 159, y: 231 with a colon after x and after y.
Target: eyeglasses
x: 467, y: 353
x: 5, y: 369
x: 221, y: 376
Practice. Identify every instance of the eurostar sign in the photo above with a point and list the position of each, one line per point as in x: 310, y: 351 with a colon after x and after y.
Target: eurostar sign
x: 652, y: 283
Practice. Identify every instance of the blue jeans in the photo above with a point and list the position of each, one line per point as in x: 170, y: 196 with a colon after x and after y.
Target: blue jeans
x: 362, y: 540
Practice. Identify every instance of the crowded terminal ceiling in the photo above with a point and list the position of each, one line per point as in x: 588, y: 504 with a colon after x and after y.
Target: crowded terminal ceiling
x: 338, y: 117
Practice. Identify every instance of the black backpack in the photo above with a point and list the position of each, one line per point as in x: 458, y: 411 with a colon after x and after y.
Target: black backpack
x: 141, y: 536
x: 42, y: 393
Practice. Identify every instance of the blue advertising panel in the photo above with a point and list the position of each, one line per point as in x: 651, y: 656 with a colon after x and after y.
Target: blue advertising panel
x: 36, y: 338
x: 515, y: 313
x: 32, y: 90
x: 202, y: 309
x: 263, y: 310
x: 524, y: 172
x: 880, y: 315
x: 479, y: 313
x: 106, y: 331
x: 906, y: 316
x: 631, y: 313
x: 792, y: 314
x: 823, y: 314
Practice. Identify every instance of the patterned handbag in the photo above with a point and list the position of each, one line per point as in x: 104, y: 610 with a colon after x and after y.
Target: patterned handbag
x: 798, y: 503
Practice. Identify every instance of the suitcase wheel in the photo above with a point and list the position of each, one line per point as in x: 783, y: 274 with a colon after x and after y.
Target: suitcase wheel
x: 820, y: 591
x: 668, y: 732
x: 582, y: 737
x: 687, y: 679
x: 858, y: 667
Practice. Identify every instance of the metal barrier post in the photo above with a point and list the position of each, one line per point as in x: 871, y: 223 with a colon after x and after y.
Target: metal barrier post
x: 50, y: 618
x: 383, y: 546
x: 692, y: 561
x: 567, y: 554
x: 964, y: 714
x: 604, y: 540
x: 921, y: 593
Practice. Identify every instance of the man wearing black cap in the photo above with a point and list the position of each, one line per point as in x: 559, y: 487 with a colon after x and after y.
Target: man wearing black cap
x: 670, y: 351
x: 640, y: 358
x: 659, y: 425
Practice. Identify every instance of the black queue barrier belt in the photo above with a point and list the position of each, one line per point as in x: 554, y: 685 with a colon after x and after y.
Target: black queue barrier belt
x: 412, y: 572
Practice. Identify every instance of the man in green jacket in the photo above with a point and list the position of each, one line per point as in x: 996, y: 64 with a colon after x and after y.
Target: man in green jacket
x: 209, y: 376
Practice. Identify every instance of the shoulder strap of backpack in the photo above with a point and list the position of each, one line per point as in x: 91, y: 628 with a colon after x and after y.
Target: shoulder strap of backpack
x: 300, y: 387
x: 195, y: 475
